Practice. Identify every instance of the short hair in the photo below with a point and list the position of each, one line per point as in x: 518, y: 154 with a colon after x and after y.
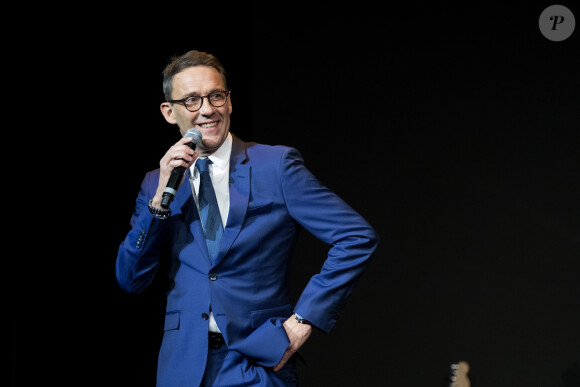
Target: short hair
x: 190, y: 59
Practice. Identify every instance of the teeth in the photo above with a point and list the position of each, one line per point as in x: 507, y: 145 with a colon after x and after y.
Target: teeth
x: 209, y: 125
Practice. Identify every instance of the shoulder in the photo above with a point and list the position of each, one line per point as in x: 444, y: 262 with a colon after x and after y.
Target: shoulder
x: 276, y: 158
x: 263, y: 151
x: 255, y: 152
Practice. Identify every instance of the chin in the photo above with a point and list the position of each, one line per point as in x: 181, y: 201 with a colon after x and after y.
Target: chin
x: 212, y: 142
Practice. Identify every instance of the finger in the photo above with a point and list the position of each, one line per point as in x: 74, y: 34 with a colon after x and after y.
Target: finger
x: 287, y: 355
x: 179, y: 163
x: 179, y: 153
x: 181, y: 145
x: 185, y: 142
x: 185, y: 156
x: 180, y: 150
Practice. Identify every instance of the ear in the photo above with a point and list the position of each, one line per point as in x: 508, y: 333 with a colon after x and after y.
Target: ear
x: 167, y: 111
x: 230, y: 101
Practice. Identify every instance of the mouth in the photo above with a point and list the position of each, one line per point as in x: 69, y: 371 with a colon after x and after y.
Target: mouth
x: 208, y: 125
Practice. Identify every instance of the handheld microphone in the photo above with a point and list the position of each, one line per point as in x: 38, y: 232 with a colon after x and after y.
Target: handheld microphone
x: 177, y: 174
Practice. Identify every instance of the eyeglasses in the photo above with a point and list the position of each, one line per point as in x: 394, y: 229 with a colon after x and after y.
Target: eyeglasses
x: 216, y: 99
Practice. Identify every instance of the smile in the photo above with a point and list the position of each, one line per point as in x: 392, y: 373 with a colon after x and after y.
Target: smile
x: 208, y: 124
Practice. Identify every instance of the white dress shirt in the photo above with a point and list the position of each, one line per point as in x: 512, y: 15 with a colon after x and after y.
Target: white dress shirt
x: 219, y: 172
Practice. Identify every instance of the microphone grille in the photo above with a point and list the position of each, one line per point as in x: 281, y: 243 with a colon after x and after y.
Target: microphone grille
x: 195, y: 134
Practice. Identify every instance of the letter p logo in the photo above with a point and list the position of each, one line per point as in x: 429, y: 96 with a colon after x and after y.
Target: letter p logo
x: 557, y: 20
x: 557, y: 23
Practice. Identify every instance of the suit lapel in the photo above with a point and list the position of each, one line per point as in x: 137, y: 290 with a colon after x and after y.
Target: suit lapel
x: 239, y: 196
x: 184, y: 203
x: 239, y: 184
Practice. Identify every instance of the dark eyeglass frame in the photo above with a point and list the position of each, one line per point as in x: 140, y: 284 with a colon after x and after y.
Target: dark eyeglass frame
x: 182, y: 101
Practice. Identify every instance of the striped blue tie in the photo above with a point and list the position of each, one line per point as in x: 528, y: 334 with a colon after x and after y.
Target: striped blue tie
x: 208, y: 209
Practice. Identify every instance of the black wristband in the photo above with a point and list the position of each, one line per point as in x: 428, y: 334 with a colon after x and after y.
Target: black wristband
x: 156, y: 212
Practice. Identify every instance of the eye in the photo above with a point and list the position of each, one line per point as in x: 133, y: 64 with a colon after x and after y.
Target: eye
x: 217, y: 96
x: 192, y: 101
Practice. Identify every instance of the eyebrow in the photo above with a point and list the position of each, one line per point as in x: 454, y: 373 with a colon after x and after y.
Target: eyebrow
x: 195, y: 94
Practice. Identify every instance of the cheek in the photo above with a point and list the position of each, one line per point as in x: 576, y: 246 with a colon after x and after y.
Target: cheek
x: 186, y: 120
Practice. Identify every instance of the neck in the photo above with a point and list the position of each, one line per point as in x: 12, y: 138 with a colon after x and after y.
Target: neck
x: 203, y: 151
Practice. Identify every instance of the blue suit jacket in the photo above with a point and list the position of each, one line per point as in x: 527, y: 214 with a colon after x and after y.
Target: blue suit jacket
x: 272, y: 195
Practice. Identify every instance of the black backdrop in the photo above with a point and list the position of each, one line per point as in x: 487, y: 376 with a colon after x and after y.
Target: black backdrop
x: 452, y: 129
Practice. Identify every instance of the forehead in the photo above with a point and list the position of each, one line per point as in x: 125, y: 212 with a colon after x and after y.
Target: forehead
x: 198, y: 79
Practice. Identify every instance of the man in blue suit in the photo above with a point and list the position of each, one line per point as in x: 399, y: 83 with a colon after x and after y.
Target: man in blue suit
x: 226, y: 241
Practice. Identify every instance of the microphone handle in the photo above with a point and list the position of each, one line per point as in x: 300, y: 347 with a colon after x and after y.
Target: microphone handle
x: 169, y: 193
x: 173, y: 183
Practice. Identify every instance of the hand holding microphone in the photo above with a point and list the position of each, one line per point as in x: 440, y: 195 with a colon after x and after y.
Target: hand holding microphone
x: 177, y: 159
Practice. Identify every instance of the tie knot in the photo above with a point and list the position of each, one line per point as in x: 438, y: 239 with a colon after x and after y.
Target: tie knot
x: 203, y: 165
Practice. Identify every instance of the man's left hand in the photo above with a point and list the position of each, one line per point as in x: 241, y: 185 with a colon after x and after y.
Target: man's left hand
x: 298, y: 334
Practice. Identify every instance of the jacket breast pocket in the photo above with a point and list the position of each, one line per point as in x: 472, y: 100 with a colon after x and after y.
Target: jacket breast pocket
x: 171, y: 321
x: 259, y: 316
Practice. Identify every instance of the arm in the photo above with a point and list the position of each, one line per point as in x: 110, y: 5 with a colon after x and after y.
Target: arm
x: 351, y: 239
x: 138, y: 256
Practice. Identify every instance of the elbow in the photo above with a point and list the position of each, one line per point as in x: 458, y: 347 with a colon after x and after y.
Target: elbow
x: 129, y: 286
x: 373, y: 238
x: 126, y: 282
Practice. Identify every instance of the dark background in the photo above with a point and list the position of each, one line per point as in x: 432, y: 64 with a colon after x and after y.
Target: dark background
x: 453, y: 129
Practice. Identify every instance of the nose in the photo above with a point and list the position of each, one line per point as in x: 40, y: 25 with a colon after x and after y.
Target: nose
x: 207, y: 108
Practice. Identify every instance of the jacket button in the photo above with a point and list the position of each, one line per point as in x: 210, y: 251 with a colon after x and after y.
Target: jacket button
x: 213, y: 277
x: 204, y: 316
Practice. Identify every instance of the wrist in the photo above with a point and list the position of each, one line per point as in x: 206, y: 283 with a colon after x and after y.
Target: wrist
x: 301, y: 320
x: 157, y: 211
x: 155, y: 202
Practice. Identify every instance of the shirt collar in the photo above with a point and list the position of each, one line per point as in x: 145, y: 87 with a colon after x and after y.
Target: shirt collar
x: 220, y: 158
